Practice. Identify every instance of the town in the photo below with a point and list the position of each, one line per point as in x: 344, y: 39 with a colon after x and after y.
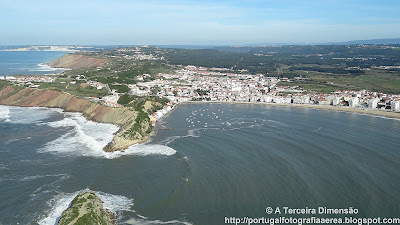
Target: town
x: 191, y: 83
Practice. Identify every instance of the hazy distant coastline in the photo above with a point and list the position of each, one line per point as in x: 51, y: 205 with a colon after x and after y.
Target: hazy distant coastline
x: 51, y: 48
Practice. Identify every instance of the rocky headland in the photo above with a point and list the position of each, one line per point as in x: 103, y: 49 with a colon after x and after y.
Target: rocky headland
x: 77, y: 61
x: 86, y: 208
x: 132, y: 130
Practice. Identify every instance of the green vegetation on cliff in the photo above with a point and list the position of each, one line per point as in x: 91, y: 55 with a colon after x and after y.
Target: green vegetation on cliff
x: 123, y: 117
x: 80, y: 89
x: 149, y: 104
x: 145, y: 106
x: 120, y: 88
x: 4, y: 83
x: 142, y: 120
x: 86, y: 209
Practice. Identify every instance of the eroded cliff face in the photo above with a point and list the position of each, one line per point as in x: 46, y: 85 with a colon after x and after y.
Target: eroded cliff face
x: 77, y: 61
x: 130, y: 132
x: 86, y: 208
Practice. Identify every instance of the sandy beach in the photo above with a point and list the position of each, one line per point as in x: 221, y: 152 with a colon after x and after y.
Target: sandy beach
x: 374, y: 112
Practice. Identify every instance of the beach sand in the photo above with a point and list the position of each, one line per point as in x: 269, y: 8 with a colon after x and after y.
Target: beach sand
x: 374, y: 112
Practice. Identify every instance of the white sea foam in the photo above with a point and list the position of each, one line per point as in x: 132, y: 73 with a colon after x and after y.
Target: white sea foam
x: 144, y: 221
x: 62, y: 201
x: 191, y: 133
x: 29, y: 178
x: 44, y: 68
x: 17, y: 139
x: 29, y: 115
x: 3, y: 167
x: 316, y: 130
x: 4, y: 113
x: 275, y: 123
x: 142, y: 150
x: 88, y: 138
x: 47, y: 187
x: 376, y: 116
x: 115, y: 203
x: 57, y: 205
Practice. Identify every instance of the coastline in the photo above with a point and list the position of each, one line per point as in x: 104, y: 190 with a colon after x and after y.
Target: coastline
x: 157, y: 125
x: 86, y: 208
x: 122, y: 117
x: 365, y: 111
x: 125, y: 118
x: 30, y: 63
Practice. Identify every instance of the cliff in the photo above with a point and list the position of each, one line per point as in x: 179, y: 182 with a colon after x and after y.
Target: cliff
x: 77, y: 61
x: 86, y: 208
x: 133, y: 128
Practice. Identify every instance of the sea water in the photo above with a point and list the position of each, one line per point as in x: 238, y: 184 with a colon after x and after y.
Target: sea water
x: 28, y: 62
x: 207, y: 162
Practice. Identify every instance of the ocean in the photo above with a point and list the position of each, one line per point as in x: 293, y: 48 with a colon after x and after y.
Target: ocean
x: 207, y: 162
x: 28, y: 62
x: 34, y: 62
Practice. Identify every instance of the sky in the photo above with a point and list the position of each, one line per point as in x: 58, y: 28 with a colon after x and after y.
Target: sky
x: 186, y: 22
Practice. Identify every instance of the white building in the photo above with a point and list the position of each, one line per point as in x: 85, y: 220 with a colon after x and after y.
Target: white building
x: 373, y: 103
x: 396, y: 106
x: 354, y: 102
x: 266, y: 98
x: 304, y: 99
x: 277, y: 99
x: 336, y: 101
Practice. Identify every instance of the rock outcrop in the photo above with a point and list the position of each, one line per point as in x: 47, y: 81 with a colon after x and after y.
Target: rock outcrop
x: 77, y: 61
x: 86, y: 208
x: 131, y: 130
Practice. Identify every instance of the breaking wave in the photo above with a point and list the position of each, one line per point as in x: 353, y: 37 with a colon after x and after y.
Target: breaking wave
x: 27, y: 115
x: 87, y: 138
x: 44, y: 68
x: 4, y: 113
x: 144, y: 221
x: 142, y: 150
x: 60, y: 202
x: 84, y: 138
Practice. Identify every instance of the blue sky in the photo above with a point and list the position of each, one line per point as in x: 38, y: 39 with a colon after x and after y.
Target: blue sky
x: 97, y: 22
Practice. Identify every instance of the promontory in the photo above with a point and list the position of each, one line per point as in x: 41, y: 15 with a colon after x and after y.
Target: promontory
x: 98, y: 100
x: 86, y: 208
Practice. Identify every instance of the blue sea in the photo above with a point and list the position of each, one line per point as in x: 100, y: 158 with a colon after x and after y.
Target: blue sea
x: 28, y: 62
x: 207, y: 162
x: 33, y: 62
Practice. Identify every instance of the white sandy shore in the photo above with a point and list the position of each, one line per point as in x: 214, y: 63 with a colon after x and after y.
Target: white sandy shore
x: 374, y: 112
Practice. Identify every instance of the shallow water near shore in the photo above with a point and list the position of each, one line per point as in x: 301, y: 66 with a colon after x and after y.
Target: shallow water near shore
x: 215, y: 161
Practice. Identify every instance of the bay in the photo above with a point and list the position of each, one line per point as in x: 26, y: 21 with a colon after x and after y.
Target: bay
x: 207, y: 162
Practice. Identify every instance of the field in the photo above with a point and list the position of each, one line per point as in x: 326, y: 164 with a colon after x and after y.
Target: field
x: 379, y: 81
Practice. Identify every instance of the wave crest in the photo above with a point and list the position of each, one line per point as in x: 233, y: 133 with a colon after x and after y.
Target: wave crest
x: 142, y: 150
x: 60, y: 202
x: 87, y: 138
x: 4, y: 113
